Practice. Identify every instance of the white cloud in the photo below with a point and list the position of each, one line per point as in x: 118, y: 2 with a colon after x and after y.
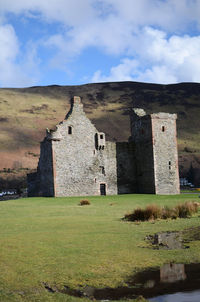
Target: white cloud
x: 159, y: 60
x: 117, y: 28
x: 110, y: 36
x: 146, y: 35
x: 69, y: 12
x: 123, y: 72
x: 167, y: 14
x: 13, y: 73
x: 8, y: 42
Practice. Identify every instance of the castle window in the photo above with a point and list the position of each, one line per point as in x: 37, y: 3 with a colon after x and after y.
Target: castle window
x: 99, y: 141
x: 163, y: 128
x: 170, y: 165
x: 102, y: 170
x: 70, y: 130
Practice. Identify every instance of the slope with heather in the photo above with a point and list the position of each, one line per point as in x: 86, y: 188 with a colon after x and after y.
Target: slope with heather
x: 25, y: 113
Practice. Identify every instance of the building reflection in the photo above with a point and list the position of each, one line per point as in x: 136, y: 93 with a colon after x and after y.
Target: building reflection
x: 172, y: 272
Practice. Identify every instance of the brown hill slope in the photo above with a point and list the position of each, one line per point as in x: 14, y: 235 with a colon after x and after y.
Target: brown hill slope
x: 25, y: 113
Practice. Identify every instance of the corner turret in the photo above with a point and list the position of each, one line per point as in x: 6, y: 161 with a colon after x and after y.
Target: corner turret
x: 53, y: 134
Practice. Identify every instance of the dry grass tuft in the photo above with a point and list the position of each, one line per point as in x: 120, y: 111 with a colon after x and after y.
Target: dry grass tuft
x: 168, y: 212
x: 153, y: 212
x: 84, y: 202
x: 149, y: 213
x: 187, y: 209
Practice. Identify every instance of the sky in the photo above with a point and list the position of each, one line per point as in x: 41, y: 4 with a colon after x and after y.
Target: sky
x: 73, y: 42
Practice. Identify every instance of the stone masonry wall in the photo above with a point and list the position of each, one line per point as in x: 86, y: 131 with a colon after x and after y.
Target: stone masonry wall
x: 141, y: 131
x: 165, y: 153
x: 83, y: 160
x: 45, y: 169
x: 126, y: 168
x: 41, y: 183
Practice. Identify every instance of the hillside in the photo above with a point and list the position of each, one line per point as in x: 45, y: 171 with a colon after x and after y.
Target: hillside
x: 25, y: 113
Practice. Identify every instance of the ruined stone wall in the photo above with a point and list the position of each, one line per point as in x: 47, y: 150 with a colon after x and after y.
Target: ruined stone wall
x: 82, y: 158
x: 165, y: 153
x: 126, y: 168
x: 41, y: 183
x: 110, y: 169
x: 45, y: 169
x: 141, y: 130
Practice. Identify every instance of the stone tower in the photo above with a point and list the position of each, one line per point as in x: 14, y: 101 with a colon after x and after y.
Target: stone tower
x: 156, y: 155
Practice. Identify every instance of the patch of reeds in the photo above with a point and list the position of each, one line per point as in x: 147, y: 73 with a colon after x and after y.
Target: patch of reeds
x: 153, y: 212
x: 187, y: 209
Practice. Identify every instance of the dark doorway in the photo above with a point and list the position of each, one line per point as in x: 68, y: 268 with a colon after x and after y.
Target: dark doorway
x: 102, y: 189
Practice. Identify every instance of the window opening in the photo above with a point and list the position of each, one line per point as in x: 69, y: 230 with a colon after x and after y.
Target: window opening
x: 170, y: 165
x: 102, y: 170
x: 70, y: 130
x: 101, y: 136
x: 96, y: 141
x: 163, y: 128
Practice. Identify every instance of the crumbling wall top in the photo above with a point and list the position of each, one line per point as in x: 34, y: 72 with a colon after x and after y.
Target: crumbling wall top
x: 53, y: 134
x: 164, y: 115
x: 76, y: 106
x: 76, y: 100
x: 139, y: 112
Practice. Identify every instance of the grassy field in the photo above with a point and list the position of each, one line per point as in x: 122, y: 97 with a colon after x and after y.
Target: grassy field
x: 57, y: 241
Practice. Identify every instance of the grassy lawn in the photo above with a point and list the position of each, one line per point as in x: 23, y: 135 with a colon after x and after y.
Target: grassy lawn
x: 56, y: 241
x: 193, y: 190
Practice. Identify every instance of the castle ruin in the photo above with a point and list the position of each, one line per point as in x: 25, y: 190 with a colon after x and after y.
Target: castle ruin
x: 76, y: 160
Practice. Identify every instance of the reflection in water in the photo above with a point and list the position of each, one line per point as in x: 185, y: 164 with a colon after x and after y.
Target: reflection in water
x: 165, y: 284
x: 173, y: 272
x: 176, y: 282
x: 172, y: 282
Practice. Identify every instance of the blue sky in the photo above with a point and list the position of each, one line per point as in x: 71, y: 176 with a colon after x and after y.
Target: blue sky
x: 72, y: 42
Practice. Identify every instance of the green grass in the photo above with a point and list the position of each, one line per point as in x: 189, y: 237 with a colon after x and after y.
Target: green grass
x: 55, y: 240
x: 193, y: 190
